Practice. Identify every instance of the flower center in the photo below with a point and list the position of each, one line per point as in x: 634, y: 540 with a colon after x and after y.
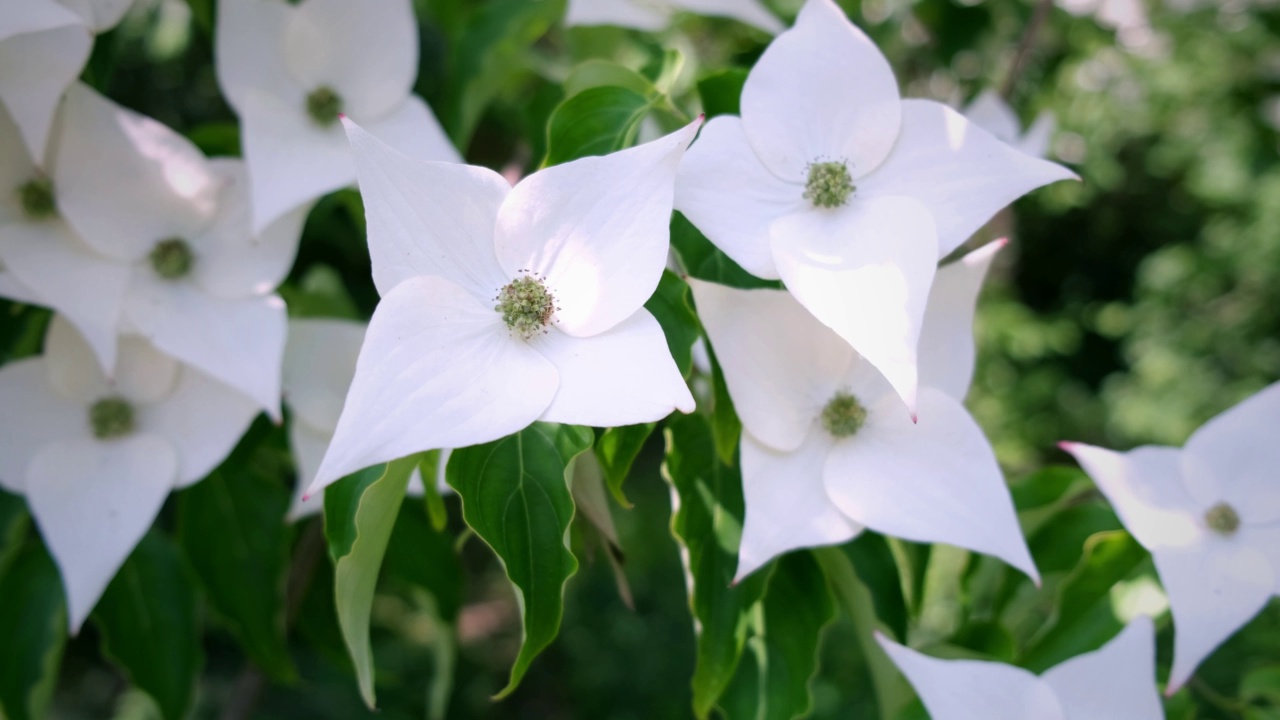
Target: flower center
x: 526, y: 305
x: 324, y: 105
x: 111, y: 417
x: 36, y: 197
x: 1222, y: 519
x: 844, y: 415
x: 172, y: 258
x: 829, y: 184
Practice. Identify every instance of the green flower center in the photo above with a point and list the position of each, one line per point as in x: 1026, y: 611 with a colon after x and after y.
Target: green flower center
x: 844, y: 416
x: 829, y: 184
x: 324, y: 105
x: 111, y: 417
x: 172, y: 258
x: 526, y: 305
x: 36, y: 198
x: 1222, y: 519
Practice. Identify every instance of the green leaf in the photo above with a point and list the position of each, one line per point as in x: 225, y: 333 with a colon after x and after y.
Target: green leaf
x: 14, y: 522
x: 672, y: 305
x: 429, y: 468
x: 876, y: 567
x: 703, y: 260
x: 708, y: 523
x: 515, y: 496
x: 231, y: 529
x: 603, y: 73
x: 359, y: 513
x: 216, y: 138
x: 617, y: 450
x: 726, y: 428
x: 33, y: 633
x: 147, y: 618
x: 597, y: 121
x: 721, y: 92
x: 798, y: 606
x: 1262, y: 687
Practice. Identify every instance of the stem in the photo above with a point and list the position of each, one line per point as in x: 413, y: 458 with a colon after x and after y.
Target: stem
x: 1025, y: 45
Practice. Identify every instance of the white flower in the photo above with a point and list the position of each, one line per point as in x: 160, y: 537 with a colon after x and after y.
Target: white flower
x: 44, y: 44
x: 290, y: 69
x: 990, y: 112
x: 133, y: 230
x: 501, y: 305
x: 96, y: 458
x: 848, y: 194
x: 1209, y: 513
x: 656, y: 14
x: 1114, y: 682
x: 826, y: 449
x: 319, y: 362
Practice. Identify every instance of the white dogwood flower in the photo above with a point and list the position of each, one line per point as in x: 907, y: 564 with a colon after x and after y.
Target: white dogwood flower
x: 990, y: 112
x: 1209, y: 513
x: 651, y: 15
x: 826, y: 449
x: 290, y: 70
x: 850, y: 195
x: 504, y: 305
x: 1114, y: 682
x: 96, y: 458
x: 134, y: 230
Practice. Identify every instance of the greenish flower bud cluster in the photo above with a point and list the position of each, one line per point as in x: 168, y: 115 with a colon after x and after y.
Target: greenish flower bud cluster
x: 844, y: 416
x: 172, y: 258
x: 526, y: 306
x: 1222, y: 519
x: 111, y: 417
x: 324, y: 106
x: 36, y: 198
x: 829, y: 184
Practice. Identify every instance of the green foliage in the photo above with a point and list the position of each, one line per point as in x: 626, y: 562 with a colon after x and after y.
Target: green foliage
x: 33, y: 631
x: 672, y: 305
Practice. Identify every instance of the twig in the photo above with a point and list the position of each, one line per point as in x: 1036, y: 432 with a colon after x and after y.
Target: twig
x: 1025, y: 45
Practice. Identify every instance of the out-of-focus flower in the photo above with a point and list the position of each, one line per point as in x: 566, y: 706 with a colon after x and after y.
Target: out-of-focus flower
x: 847, y: 193
x: 1115, y: 682
x: 291, y: 69
x: 990, y: 112
x: 96, y: 458
x: 653, y: 15
x: 826, y: 449
x: 1209, y: 513
x: 504, y: 305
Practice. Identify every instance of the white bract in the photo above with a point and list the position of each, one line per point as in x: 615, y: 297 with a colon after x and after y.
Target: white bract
x: 132, y: 229
x: 653, y: 15
x: 96, y: 458
x: 290, y: 70
x: 990, y: 112
x: 504, y: 305
x: 1209, y: 513
x: 847, y: 193
x: 1115, y: 682
x: 826, y: 448
x: 44, y: 45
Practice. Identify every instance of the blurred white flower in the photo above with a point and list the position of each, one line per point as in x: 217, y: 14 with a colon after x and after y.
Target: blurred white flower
x: 653, y: 15
x: 1115, y: 682
x: 826, y: 449
x: 990, y: 112
x: 504, y: 305
x: 290, y: 70
x: 44, y: 45
x: 847, y: 193
x: 134, y: 230
x: 96, y: 458
x: 1209, y: 513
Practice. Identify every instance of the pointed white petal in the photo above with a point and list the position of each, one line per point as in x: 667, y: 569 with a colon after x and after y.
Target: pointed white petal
x: 202, y: 418
x: 45, y: 417
x: 18, y: 17
x: 957, y: 169
x: 597, y: 229
x: 438, y: 369
x: 934, y: 481
x: 990, y: 112
x: 973, y: 689
x: 1233, y: 458
x: 947, y: 352
x: 308, y: 446
x: 319, y: 362
x: 93, y: 501
x: 623, y: 376
x: 428, y: 218
x: 249, y: 52
x: 623, y: 13
x: 1115, y: 682
x: 144, y: 375
x: 414, y: 130
x: 780, y: 364
x: 100, y: 15
x: 786, y: 503
x: 16, y: 168
x: 73, y: 372
x: 822, y: 91
x: 367, y: 52
x: 240, y: 342
x: 125, y: 181
x: 864, y: 270
x: 12, y: 289
x: 724, y: 190
x: 751, y: 12
x: 85, y: 286
x: 35, y: 68
x: 1039, y: 136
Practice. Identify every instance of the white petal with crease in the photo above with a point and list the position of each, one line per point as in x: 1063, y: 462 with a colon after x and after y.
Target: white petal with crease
x: 46, y: 416
x: 947, y: 351
x: 1114, y: 682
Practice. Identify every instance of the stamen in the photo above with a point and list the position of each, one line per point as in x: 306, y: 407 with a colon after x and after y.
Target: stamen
x: 111, y: 417
x: 844, y: 416
x: 1222, y: 519
x: 172, y: 259
x: 36, y: 197
x: 324, y: 106
x: 526, y: 305
x: 829, y: 184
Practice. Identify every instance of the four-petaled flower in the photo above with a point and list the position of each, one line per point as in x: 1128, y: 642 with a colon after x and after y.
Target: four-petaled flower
x: 656, y: 14
x: 847, y: 193
x: 990, y: 112
x: 1209, y: 513
x: 827, y: 450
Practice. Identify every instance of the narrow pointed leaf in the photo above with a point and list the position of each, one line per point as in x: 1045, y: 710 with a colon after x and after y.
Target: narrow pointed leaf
x: 798, y: 606
x: 33, y: 633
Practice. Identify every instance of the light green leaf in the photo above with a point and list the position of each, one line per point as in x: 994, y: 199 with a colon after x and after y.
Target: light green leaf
x: 597, y: 121
x: 33, y: 633
x: 726, y: 427
x: 603, y: 73
x: 721, y: 92
x: 616, y: 450
x: 429, y: 467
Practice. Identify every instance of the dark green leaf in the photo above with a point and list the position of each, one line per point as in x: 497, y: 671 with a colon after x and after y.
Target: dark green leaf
x: 874, y: 563
x: 14, y: 522
x: 705, y: 261
x: 721, y: 91
x: 726, y: 428
x: 425, y: 557
x: 216, y: 138
x: 616, y: 450
x: 672, y: 305
x: 33, y: 633
x: 797, y: 607
x: 596, y: 121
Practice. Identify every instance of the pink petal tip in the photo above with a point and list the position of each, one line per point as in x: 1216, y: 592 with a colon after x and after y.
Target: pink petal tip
x: 1067, y: 446
x: 306, y: 497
